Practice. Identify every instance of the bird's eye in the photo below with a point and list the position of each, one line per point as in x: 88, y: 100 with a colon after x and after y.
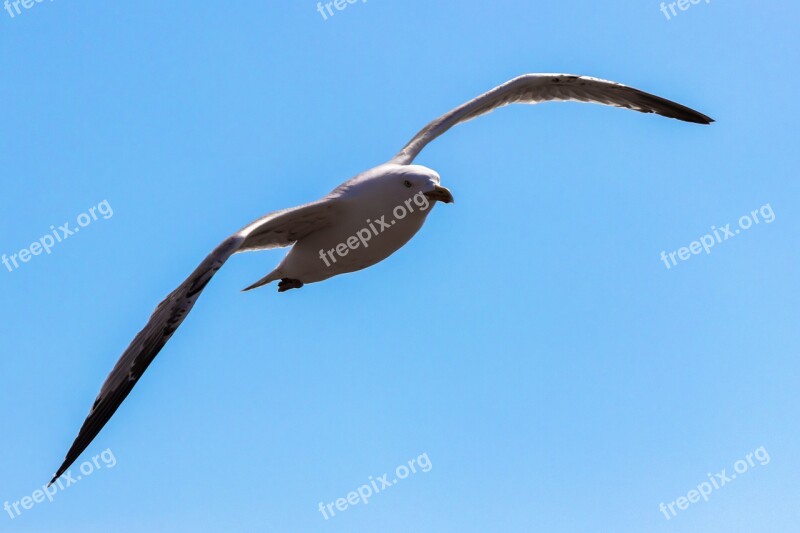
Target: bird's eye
x: 407, y: 184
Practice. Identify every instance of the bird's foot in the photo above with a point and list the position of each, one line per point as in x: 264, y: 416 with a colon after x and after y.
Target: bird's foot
x: 286, y: 284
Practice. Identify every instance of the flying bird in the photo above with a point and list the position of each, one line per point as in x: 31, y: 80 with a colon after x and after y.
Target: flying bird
x: 358, y: 224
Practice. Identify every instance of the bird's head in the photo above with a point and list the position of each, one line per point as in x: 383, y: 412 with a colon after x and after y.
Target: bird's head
x: 394, y: 185
x: 418, y: 182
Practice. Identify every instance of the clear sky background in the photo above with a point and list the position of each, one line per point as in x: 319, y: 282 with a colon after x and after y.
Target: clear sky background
x: 529, y: 340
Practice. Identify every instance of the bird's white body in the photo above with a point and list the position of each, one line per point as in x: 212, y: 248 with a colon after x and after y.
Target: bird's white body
x: 377, y: 215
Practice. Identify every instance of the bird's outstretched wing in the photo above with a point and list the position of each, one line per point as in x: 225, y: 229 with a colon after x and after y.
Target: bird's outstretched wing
x: 537, y: 88
x: 281, y: 228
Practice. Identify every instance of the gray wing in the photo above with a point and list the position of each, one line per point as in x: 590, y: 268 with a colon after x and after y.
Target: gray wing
x: 278, y: 229
x: 537, y: 88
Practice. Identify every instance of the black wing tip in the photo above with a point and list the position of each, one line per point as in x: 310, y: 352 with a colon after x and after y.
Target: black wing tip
x: 700, y: 119
x: 91, y: 427
x: 687, y: 115
x: 670, y: 109
x: 63, y: 468
x: 59, y: 472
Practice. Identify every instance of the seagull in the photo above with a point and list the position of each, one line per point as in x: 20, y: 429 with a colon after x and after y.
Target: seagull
x: 358, y: 224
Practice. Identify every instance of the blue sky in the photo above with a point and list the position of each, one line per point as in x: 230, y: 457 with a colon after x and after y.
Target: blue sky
x: 529, y: 341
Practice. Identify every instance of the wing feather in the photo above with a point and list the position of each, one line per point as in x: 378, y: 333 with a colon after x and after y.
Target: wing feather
x: 537, y: 88
x: 281, y: 228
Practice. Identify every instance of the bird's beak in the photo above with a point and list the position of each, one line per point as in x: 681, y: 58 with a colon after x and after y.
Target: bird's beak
x: 440, y: 194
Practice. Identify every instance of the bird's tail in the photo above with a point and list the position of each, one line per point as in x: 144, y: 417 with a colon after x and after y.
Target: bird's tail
x: 266, y: 280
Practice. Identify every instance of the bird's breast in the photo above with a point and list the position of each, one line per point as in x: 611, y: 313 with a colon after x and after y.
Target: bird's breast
x: 353, y: 244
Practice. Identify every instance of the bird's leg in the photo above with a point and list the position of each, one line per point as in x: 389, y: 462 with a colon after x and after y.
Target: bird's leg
x: 286, y: 284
